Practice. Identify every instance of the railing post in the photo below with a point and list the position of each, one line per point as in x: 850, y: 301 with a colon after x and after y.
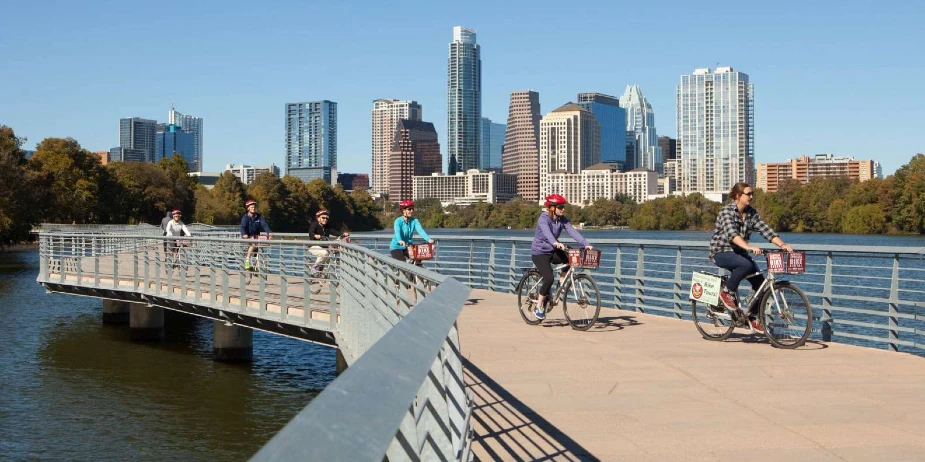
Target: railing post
x: 894, y: 305
x: 678, y: 297
x: 471, y: 251
x: 827, y: 300
x: 618, y: 279
x: 640, y: 273
x: 512, y: 270
x: 491, y: 266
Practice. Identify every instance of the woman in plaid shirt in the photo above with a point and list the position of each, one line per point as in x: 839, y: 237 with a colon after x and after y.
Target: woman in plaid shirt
x: 729, y: 245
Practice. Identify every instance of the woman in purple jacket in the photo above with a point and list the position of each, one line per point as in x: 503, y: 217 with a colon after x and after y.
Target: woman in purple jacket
x: 546, y: 248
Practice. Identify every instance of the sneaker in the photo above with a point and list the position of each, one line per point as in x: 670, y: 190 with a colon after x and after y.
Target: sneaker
x: 247, y: 264
x: 756, y: 325
x: 540, y: 313
x: 728, y: 299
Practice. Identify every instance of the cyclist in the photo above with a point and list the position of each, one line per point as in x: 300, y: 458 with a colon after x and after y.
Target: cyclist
x: 175, y: 227
x: 729, y: 246
x: 252, y: 223
x: 405, y: 227
x: 319, y: 231
x: 546, y: 248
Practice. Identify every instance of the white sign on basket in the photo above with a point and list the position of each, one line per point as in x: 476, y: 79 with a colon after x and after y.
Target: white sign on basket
x: 705, y: 288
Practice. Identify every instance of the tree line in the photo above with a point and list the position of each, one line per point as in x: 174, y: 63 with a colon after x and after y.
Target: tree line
x: 64, y: 183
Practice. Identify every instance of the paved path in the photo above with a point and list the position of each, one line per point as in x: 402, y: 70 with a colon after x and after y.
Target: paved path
x: 649, y: 388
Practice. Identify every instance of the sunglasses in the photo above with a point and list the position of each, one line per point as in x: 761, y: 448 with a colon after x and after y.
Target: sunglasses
x: 750, y: 194
x: 560, y: 207
x: 410, y: 208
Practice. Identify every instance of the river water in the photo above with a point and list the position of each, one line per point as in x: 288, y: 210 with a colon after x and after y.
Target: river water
x: 73, y: 389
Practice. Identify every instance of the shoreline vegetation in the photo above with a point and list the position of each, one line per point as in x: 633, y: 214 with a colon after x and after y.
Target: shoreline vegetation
x: 64, y: 183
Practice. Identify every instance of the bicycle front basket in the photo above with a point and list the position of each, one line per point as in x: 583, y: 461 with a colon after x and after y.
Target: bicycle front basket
x: 421, y: 251
x: 584, y: 258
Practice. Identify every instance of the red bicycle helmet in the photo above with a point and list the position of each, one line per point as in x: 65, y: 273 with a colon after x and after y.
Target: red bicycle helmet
x: 175, y: 212
x: 321, y: 212
x: 555, y: 199
x: 406, y: 204
x: 250, y: 203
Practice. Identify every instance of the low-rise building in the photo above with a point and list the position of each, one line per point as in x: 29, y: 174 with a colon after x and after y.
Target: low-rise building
x: 247, y: 173
x: 467, y: 188
x: 603, y: 181
x: 805, y: 168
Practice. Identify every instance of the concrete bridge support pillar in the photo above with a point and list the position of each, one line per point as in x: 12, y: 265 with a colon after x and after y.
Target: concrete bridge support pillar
x: 146, y: 322
x: 115, y: 312
x: 232, y: 343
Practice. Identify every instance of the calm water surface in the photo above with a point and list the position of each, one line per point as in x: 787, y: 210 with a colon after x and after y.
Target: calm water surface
x: 73, y: 389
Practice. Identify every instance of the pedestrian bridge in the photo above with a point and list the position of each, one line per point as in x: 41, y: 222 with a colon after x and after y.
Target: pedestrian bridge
x: 437, y: 372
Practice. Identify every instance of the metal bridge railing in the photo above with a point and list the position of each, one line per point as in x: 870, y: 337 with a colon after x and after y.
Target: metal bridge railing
x: 368, y: 297
x: 863, y: 295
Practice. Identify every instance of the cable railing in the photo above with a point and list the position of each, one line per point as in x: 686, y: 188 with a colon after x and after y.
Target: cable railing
x: 862, y: 295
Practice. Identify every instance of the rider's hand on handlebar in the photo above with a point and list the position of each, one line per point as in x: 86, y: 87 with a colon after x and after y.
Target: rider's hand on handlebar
x: 244, y: 236
x: 755, y: 250
x: 430, y: 241
x: 559, y: 245
x: 787, y: 247
x: 589, y: 247
x: 402, y: 243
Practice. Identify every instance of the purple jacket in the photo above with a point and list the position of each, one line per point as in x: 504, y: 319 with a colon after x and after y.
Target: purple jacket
x: 548, y: 231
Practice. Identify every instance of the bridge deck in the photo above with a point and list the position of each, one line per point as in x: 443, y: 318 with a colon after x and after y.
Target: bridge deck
x: 643, y: 387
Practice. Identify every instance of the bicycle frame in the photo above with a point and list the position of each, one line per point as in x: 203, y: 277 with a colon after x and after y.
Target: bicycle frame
x: 554, y: 297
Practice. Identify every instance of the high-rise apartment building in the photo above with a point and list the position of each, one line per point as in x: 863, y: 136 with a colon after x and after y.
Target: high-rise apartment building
x: 521, y: 153
x: 805, y: 168
x: 669, y: 147
x: 311, y: 140
x: 247, y: 173
x: 464, y: 101
x: 136, y: 140
x: 415, y: 151
x: 716, y: 133
x: 492, y: 144
x: 640, y: 119
x: 169, y: 140
x: 612, y: 117
x: 386, y: 114
x: 570, y: 141
x: 193, y: 126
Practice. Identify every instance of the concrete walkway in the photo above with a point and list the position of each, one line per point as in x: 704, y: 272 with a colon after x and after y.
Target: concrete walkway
x: 649, y: 388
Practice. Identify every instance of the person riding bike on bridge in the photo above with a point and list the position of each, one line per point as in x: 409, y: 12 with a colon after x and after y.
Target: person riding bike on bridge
x: 319, y: 231
x: 175, y: 227
x: 546, y: 249
x: 252, y: 223
x: 405, y: 227
x: 729, y: 246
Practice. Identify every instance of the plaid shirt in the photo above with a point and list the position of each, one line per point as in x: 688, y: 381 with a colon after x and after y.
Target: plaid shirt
x: 729, y: 224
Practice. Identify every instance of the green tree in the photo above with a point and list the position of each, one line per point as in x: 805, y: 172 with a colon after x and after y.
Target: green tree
x: 271, y: 195
x: 19, y: 201
x: 140, y: 192
x: 864, y: 219
x: 908, y: 191
x: 70, y: 178
x: 183, y: 191
x: 224, y: 204
x: 365, y: 211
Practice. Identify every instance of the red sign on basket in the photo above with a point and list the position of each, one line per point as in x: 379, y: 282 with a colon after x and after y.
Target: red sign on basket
x: 584, y: 258
x: 797, y: 263
x: 421, y: 251
x: 791, y: 263
x: 574, y: 257
x: 776, y: 262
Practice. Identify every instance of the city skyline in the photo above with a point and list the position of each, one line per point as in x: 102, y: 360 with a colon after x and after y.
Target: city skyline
x: 246, y: 75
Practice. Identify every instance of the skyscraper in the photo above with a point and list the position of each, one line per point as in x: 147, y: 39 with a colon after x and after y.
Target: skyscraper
x: 521, y: 153
x: 311, y: 141
x: 716, y: 135
x: 193, y: 126
x: 570, y: 141
x: 669, y: 147
x: 415, y: 152
x: 464, y: 101
x: 612, y: 117
x: 492, y: 143
x: 386, y: 114
x: 171, y: 139
x: 136, y: 140
x: 640, y: 118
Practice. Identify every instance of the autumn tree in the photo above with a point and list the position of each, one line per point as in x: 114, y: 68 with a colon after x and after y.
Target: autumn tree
x: 18, y: 196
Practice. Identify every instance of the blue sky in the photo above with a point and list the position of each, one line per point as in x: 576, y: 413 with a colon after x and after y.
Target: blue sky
x: 846, y: 79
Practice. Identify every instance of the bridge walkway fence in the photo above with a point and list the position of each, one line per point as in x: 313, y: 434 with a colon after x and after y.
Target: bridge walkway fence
x: 862, y: 295
x: 404, y: 393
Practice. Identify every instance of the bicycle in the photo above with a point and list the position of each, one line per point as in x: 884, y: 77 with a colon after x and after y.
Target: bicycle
x: 177, y: 254
x: 584, y: 290
x: 256, y: 267
x: 783, y: 308
x: 329, y: 274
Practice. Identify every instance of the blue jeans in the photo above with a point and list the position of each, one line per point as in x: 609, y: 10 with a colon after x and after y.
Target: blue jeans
x: 740, y: 266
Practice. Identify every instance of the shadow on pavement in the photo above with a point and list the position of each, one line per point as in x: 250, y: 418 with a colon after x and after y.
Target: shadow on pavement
x: 507, y: 429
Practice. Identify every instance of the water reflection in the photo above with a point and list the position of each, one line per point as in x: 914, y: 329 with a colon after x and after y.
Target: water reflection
x: 75, y: 389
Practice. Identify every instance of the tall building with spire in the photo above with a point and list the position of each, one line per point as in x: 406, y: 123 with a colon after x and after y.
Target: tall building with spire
x: 193, y: 126
x: 386, y: 115
x: 640, y: 119
x: 464, y: 101
x: 716, y: 133
x: 521, y: 152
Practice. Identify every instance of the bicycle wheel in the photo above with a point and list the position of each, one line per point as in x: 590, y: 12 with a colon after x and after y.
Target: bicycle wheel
x: 527, y: 291
x: 787, y: 315
x: 712, y: 324
x: 255, y: 267
x: 318, y: 281
x: 586, y: 302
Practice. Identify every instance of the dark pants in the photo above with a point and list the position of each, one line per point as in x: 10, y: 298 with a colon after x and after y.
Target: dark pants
x: 544, y: 264
x: 740, y: 266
